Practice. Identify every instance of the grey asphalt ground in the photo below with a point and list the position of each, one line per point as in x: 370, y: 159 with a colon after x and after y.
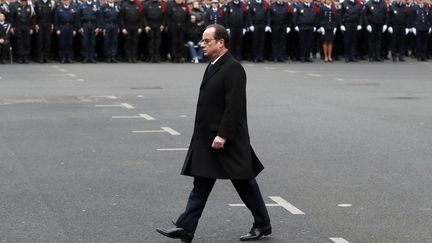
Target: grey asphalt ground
x: 328, y: 134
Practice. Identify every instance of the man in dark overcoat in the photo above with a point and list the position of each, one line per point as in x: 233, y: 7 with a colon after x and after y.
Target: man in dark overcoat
x: 220, y: 146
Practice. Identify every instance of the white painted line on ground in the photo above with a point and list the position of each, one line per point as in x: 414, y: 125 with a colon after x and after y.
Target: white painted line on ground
x: 108, y: 106
x: 269, y: 68
x: 170, y: 131
x: 164, y: 129
x: 314, y: 75
x: 112, y: 97
x: 288, y: 206
x: 71, y: 75
x: 183, y: 116
x: 80, y: 80
x: 54, y: 66
x: 344, y: 205
x: 339, y: 79
x: 338, y: 240
x: 127, y: 106
x: 280, y: 202
x: 62, y: 70
x: 290, y: 71
x: 173, y: 149
x: 145, y: 116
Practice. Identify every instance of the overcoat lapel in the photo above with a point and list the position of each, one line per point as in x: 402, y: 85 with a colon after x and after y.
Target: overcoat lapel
x: 215, y: 69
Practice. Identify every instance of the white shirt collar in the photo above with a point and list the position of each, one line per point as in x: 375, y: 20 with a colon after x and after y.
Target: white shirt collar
x: 213, y: 63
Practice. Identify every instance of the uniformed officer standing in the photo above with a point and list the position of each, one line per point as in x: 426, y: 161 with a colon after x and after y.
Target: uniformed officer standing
x: 397, y: 22
x: 89, y: 14
x: 421, y: 27
x: 66, y: 23
x: 154, y: 16
x: 279, y: 21
x: 177, y: 19
x: 214, y: 15
x: 22, y: 26
x: 351, y: 22
x: 4, y: 38
x: 305, y: 22
x: 131, y: 22
x: 110, y: 28
x: 236, y: 22
x: 375, y: 14
x: 44, y: 28
x: 327, y: 28
x: 259, y: 15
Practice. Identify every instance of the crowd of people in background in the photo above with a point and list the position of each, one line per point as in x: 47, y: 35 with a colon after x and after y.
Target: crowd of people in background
x: 261, y: 30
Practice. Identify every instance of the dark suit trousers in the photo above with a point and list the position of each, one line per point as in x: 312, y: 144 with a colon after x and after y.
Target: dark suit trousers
x: 247, y: 189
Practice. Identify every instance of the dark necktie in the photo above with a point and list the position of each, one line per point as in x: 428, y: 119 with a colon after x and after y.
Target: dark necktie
x: 210, y: 67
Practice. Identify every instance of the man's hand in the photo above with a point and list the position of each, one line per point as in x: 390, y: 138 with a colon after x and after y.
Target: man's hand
x: 218, y: 143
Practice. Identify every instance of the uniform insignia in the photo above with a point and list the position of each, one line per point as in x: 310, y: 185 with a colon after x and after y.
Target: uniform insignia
x: 301, y: 11
x: 19, y: 9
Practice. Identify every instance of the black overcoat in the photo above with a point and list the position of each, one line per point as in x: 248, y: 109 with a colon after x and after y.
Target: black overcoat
x: 221, y: 111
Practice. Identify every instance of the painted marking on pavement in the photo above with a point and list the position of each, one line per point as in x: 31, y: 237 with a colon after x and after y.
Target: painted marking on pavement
x: 344, y: 205
x: 269, y: 68
x: 112, y: 97
x: 314, y: 75
x: 145, y: 116
x: 290, y: 71
x: 127, y: 106
x: 339, y: 79
x: 173, y: 149
x: 62, y: 70
x: 338, y: 240
x: 80, y: 80
x: 54, y: 66
x: 280, y: 202
x: 164, y: 129
x: 71, y: 75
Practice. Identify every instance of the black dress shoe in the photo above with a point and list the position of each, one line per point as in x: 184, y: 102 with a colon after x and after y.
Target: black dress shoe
x: 257, y: 233
x: 176, y: 233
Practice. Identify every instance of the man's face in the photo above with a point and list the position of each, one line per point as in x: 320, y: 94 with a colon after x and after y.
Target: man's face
x: 210, y: 46
x: 179, y: 1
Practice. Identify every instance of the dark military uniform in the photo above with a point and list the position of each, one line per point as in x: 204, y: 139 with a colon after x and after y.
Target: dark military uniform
x: 89, y: 22
x: 305, y: 18
x: 327, y: 21
x: 131, y: 19
x: 351, y: 20
x: 236, y: 20
x: 154, y: 16
x: 23, y: 23
x: 214, y: 16
x: 66, y: 21
x: 375, y: 14
x: 44, y: 20
x: 421, y: 23
x: 177, y: 19
x: 398, y: 17
x: 279, y: 18
x: 4, y: 35
x: 259, y: 15
x: 110, y: 25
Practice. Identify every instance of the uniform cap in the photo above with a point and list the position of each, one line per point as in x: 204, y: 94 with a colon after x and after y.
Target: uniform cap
x: 214, y: 1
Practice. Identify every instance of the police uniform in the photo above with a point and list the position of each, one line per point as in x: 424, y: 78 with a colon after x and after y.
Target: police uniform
x: 421, y: 24
x: 351, y: 22
x: 131, y: 19
x: 89, y: 15
x: 177, y: 19
x: 44, y: 20
x: 305, y: 20
x: 279, y: 18
x: 375, y: 13
x: 236, y: 21
x: 259, y: 15
x: 154, y: 16
x: 110, y: 26
x: 23, y: 24
x: 397, y: 22
x: 4, y: 35
x: 214, y: 16
x: 66, y: 21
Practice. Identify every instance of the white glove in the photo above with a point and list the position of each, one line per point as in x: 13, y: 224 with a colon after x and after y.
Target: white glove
x: 384, y: 28
x: 369, y: 28
x: 334, y: 31
x: 229, y: 31
x: 314, y: 29
x: 430, y: 30
x: 322, y: 30
x: 414, y: 31
x: 267, y: 29
x: 342, y: 28
x: 288, y: 30
x: 297, y: 29
x: 407, y: 31
x: 251, y: 28
x: 359, y: 27
x: 390, y: 30
x: 244, y: 31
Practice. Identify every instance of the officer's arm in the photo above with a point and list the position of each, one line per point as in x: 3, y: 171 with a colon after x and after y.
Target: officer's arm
x: 226, y: 17
x: 364, y: 15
